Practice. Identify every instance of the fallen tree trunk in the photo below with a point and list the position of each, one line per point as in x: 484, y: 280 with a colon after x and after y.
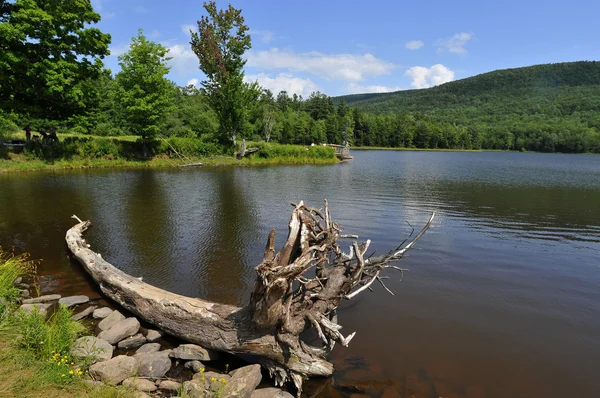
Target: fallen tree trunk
x: 296, y: 289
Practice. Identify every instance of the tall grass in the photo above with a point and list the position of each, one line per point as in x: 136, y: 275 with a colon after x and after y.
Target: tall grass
x: 12, y: 267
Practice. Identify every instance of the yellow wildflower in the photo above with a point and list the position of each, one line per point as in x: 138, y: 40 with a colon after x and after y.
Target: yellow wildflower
x: 70, y: 372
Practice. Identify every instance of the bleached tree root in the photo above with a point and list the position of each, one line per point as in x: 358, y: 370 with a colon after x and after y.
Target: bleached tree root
x: 296, y: 289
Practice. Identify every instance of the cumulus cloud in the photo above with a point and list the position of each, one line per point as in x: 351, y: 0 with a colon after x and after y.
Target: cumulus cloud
x: 118, y: 49
x: 192, y: 82
x: 423, y: 77
x: 414, y: 44
x: 284, y: 82
x: 346, y: 67
x: 354, y: 88
x: 185, y: 28
x: 183, y: 61
x: 455, y: 44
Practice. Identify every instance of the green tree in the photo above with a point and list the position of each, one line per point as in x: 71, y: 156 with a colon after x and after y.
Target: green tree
x: 145, y: 93
x: 219, y: 44
x: 46, y: 50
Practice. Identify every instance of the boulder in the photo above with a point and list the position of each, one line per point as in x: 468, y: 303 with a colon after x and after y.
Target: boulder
x: 193, y: 352
x: 92, y: 349
x: 153, y: 335
x: 243, y: 382
x: 73, y: 300
x: 213, y: 382
x: 24, y: 293
x: 270, y: 392
x: 41, y: 307
x: 114, y: 370
x: 149, y: 347
x: 153, y: 364
x: 121, y: 330
x: 169, y: 385
x: 191, y: 389
x: 111, y: 320
x: 42, y: 299
x: 132, y: 342
x: 84, y: 313
x: 195, y: 366
x: 102, y: 313
x: 140, y: 384
x: 18, y: 280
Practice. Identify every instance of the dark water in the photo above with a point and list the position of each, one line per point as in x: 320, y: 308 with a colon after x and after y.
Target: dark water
x: 503, y: 294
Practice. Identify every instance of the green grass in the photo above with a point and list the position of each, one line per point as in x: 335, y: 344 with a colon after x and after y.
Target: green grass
x: 34, y: 352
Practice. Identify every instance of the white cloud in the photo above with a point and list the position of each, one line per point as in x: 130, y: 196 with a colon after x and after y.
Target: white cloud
x: 354, y: 88
x: 423, y: 77
x: 455, y: 44
x: 192, y: 82
x: 265, y: 35
x: 414, y: 44
x: 284, y: 82
x: 119, y: 49
x: 185, y: 28
x: 347, y: 67
x: 183, y: 61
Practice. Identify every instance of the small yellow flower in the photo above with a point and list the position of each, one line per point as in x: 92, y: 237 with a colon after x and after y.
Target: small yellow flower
x: 213, y: 379
x: 70, y: 372
x: 62, y: 375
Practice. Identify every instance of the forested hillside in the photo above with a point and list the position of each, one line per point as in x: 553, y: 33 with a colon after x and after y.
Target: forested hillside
x: 554, y: 107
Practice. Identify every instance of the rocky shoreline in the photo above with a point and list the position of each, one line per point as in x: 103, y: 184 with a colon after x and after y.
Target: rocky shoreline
x: 123, y: 352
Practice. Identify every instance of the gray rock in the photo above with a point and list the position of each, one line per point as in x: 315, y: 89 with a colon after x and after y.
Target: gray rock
x: 111, y: 320
x: 92, y: 349
x: 148, y: 348
x: 193, y: 352
x: 140, y: 384
x: 270, y: 392
x: 41, y: 307
x: 195, y: 366
x: 73, y: 300
x: 212, y: 382
x: 114, y: 370
x: 243, y: 382
x: 24, y: 293
x: 23, y: 286
x: 84, y: 313
x: 102, y: 313
x: 125, y: 328
x: 18, y: 280
x: 153, y: 364
x: 132, y: 342
x: 191, y: 389
x: 42, y: 299
x: 93, y: 382
x: 169, y: 385
x: 153, y: 335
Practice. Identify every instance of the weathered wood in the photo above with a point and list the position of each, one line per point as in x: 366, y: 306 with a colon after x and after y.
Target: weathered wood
x: 286, y: 300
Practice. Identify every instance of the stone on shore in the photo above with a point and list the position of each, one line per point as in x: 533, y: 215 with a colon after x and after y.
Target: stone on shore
x: 73, y: 300
x: 125, y: 328
x: 102, y: 313
x: 132, y: 342
x: 169, y: 385
x: 140, y: 384
x: 111, y: 320
x: 270, y: 392
x: 41, y: 307
x: 84, y: 313
x: 195, y: 366
x: 153, y: 335
x: 114, y: 370
x: 193, y: 352
x: 42, y: 299
x: 92, y: 349
x: 243, y: 382
x: 153, y: 364
x: 148, y: 348
x: 24, y: 293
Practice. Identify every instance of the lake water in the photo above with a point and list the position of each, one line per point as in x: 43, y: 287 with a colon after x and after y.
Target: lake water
x: 503, y: 294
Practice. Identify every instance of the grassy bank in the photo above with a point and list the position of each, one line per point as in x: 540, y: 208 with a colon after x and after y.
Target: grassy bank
x: 77, y: 151
x: 34, y: 352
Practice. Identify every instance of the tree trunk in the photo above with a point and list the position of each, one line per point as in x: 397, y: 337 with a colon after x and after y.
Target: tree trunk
x: 298, y: 288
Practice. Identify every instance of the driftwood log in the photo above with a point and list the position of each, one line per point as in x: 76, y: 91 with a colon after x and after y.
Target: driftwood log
x: 298, y: 288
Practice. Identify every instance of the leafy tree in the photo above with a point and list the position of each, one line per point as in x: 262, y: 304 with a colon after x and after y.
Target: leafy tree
x: 219, y: 44
x: 46, y: 50
x: 145, y: 93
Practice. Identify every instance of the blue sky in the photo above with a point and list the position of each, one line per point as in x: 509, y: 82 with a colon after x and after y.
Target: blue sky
x: 346, y: 47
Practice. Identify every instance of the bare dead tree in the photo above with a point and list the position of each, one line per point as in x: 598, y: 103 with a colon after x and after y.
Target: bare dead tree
x: 296, y: 289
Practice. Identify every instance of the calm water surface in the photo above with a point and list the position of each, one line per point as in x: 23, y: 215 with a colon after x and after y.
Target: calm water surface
x: 503, y: 294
